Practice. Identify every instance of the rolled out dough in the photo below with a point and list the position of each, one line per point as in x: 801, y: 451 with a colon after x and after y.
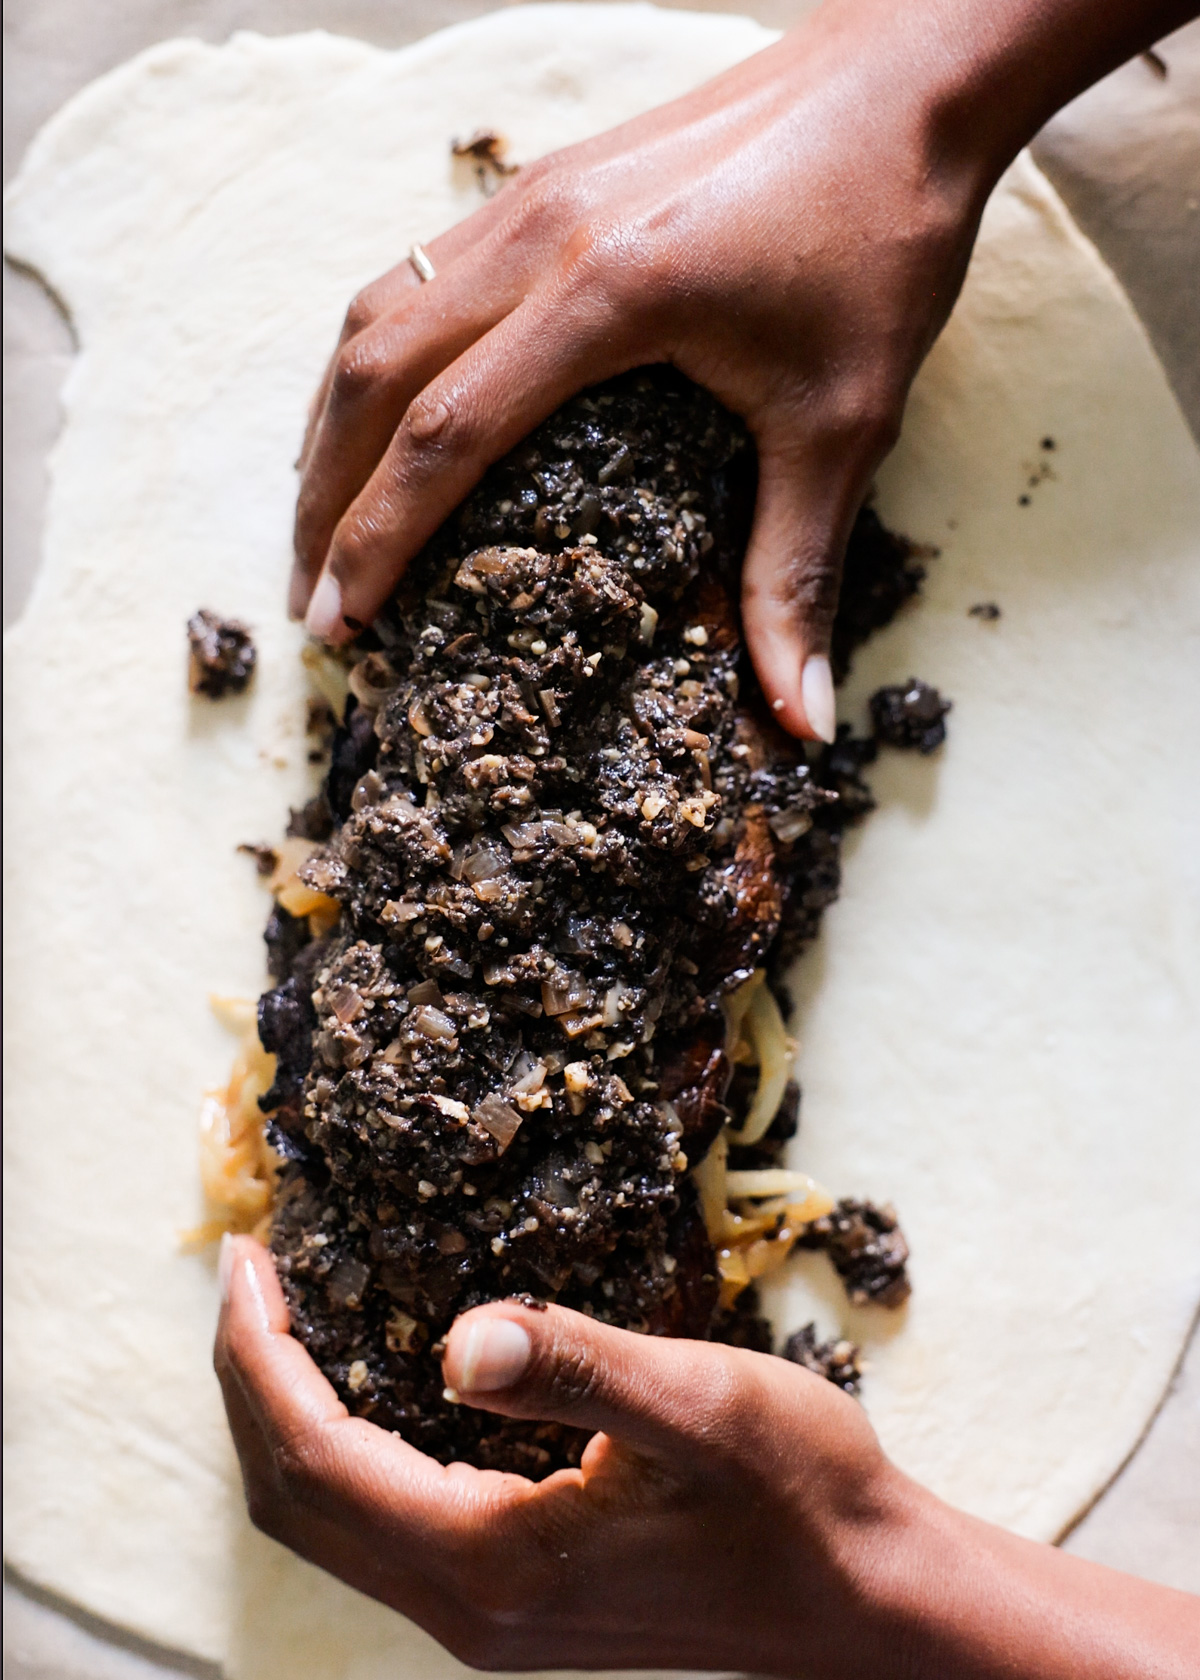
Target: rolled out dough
x: 999, y: 1023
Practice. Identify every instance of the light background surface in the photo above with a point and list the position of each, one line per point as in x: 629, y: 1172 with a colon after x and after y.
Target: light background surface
x: 1127, y: 160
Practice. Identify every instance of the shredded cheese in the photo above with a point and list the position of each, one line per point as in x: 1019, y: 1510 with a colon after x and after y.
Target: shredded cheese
x: 237, y: 1164
x: 755, y: 1218
x: 773, y: 1051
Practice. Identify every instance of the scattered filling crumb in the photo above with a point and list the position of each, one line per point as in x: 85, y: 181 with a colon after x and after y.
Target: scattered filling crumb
x: 221, y: 656
x: 911, y: 714
x: 485, y: 151
x: 837, y: 1360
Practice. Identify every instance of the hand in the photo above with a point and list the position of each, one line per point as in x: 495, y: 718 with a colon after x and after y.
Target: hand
x: 731, y: 1514
x: 733, y: 1511
x: 791, y: 235
x: 749, y: 234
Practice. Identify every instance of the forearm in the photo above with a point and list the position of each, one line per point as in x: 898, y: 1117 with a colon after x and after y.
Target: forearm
x: 987, y: 74
x: 954, y: 1595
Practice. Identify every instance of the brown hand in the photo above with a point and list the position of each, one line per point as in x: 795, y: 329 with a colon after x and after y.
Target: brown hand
x: 791, y: 235
x: 745, y: 233
x: 729, y: 1492
x: 731, y: 1512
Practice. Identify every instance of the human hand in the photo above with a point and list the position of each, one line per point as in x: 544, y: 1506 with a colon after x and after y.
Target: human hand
x: 733, y: 1513
x: 791, y: 235
x: 780, y: 235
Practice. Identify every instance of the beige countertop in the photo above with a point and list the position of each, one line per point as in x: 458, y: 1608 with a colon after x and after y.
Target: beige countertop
x: 1126, y: 157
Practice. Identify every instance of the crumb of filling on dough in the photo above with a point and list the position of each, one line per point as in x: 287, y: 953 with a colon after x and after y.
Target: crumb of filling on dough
x: 911, y: 714
x: 837, y: 1360
x: 266, y: 858
x: 221, y: 657
x: 868, y: 1251
x: 485, y: 150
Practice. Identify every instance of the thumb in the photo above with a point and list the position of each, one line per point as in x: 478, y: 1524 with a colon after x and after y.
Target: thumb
x: 656, y: 1394
x: 790, y: 582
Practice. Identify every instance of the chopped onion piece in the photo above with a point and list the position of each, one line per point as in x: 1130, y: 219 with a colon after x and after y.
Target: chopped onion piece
x: 291, y: 854
x: 565, y: 992
x: 612, y: 1003
x: 451, y: 1106
x: 431, y: 1023
x: 499, y: 1118
x: 418, y: 722
x: 789, y: 825
x: 523, y: 836
x: 484, y: 862
x: 371, y: 680
x: 532, y: 1080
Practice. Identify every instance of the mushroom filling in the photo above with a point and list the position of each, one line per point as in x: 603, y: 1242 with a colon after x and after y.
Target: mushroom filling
x: 527, y: 941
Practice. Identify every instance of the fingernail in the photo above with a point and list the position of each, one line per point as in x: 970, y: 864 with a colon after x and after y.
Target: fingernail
x: 225, y: 1265
x: 324, y: 614
x: 255, y: 1289
x: 816, y: 690
x: 495, y: 1355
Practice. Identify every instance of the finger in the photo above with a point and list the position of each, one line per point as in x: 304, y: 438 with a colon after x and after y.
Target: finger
x: 390, y: 289
x: 805, y: 507
x: 375, y: 375
x: 460, y: 285
x: 660, y: 1396
x: 281, y: 1395
x: 483, y: 404
x: 352, y: 1498
x: 292, y: 1407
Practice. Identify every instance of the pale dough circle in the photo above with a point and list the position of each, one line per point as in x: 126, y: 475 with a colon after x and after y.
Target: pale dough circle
x: 999, y: 1023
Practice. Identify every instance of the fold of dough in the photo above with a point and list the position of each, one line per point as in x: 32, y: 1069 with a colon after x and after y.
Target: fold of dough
x: 999, y: 1024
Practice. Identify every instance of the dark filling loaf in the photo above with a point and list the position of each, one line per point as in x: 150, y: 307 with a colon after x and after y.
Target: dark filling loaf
x: 562, y: 827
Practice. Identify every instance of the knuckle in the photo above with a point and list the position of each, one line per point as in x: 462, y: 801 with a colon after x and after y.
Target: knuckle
x: 604, y: 251
x: 360, y: 367
x: 810, y: 585
x: 728, y: 1416
x: 435, y: 428
x: 866, y: 415
x: 573, y: 1377
x: 310, y: 522
x: 552, y: 201
x: 805, y: 584
x: 363, y: 310
x: 299, y: 1465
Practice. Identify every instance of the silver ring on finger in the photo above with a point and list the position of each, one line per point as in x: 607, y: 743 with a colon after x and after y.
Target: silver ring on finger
x: 418, y: 256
